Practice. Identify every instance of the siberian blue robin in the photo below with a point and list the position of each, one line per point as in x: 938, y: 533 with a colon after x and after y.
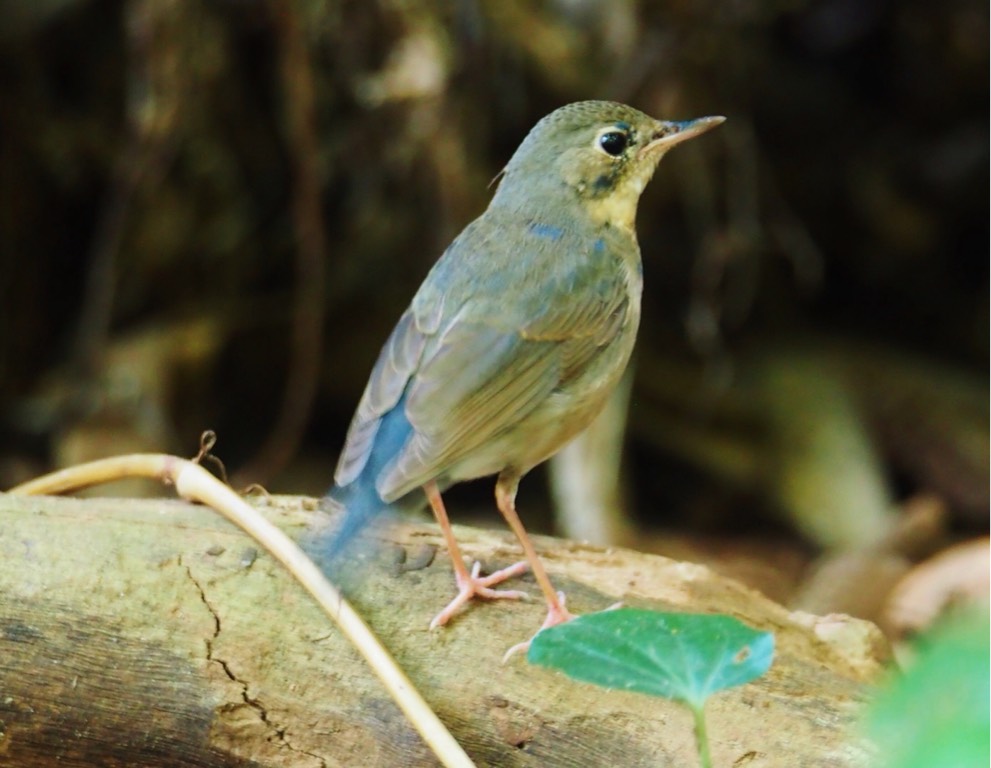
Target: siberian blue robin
x: 516, y: 337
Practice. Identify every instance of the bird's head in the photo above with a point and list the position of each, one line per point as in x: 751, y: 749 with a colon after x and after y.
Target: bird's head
x: 598, y: 154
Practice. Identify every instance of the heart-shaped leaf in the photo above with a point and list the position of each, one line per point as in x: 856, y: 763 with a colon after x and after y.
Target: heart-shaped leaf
x: 680, y: 656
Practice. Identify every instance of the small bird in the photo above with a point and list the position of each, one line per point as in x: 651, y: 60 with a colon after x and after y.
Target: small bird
x: 516, y: 337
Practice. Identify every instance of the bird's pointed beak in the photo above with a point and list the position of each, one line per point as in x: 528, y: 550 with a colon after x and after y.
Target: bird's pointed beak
x: 671, y: 132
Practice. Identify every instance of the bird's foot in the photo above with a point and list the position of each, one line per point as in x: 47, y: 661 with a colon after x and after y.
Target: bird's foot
x: 472, y: 585
x: 556, y: 614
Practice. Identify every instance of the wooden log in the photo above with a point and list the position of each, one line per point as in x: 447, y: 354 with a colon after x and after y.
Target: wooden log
x: 151, y: 632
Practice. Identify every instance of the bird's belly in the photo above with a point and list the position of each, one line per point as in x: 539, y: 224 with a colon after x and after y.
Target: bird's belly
x: 553, y: 423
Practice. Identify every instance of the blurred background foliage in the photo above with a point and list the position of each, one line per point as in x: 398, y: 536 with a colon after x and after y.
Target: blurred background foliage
x: 213, y: 211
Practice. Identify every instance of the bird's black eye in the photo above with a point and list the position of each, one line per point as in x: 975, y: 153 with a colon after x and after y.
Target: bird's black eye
x: 614, y: 143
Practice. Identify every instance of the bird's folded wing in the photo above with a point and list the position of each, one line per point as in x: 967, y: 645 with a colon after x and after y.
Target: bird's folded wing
x: 479, y: 381
x: 472, y: 371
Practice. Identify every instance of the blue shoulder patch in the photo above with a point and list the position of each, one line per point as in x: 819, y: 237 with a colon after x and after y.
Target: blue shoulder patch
x: 546, y: 231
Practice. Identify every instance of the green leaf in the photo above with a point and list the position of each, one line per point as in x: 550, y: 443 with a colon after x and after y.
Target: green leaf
x: 681, y: 656
x: 937, y: 713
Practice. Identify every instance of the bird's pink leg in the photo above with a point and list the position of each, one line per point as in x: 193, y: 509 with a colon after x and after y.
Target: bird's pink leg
x: 556, y: 612
x: 469, y: 584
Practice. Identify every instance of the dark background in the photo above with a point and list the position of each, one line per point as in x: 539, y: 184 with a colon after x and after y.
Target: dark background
x: 211, y: 214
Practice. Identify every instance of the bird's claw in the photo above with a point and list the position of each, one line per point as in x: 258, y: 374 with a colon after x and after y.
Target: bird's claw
x: 556, y: 614
x: 473, y: 585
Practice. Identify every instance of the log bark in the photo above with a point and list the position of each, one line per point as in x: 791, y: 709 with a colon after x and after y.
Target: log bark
x: 154, y: 633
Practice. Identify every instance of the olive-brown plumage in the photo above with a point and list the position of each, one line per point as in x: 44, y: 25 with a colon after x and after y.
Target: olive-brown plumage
x: 517, y: 335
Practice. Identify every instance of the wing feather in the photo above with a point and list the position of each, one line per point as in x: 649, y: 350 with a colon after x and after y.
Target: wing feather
x: 480, y: 348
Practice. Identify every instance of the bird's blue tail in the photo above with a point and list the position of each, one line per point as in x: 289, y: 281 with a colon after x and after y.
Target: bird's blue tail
x: 360, y: 500
x: 358, y: 505
x: 334, y: 539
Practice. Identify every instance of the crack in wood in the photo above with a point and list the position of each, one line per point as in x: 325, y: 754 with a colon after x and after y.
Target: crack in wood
x: 254, y: 703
